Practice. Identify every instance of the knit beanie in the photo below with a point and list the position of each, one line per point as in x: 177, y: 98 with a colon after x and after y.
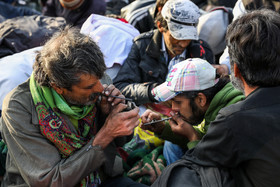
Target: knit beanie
x: 71, y: 4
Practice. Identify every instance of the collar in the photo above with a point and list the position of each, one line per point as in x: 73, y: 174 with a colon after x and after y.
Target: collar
x: 154, y: 47
x: 163, y: 49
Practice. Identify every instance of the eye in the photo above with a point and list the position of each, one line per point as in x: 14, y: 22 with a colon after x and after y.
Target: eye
x: 89, y: 87
x: 177, y: 102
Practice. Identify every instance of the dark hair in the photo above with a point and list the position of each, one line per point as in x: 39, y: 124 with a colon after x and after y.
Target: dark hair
x: 254, y: 46
x: 209, y: 92
x: 162, y: 21
x: 66, y: 56
x: 260, y: 4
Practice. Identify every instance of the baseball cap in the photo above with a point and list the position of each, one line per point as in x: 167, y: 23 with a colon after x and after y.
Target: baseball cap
x: 182, y: 17
x: 189, y: 75
x: 71, y: 4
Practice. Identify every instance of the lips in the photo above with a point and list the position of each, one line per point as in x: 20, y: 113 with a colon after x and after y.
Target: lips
x: 178, y: 113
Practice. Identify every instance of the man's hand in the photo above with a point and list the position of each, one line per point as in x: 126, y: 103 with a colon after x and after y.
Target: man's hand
x: 117, y: 124
x: 108, y: 102
x: 147, y: 117
x: 183, y: 128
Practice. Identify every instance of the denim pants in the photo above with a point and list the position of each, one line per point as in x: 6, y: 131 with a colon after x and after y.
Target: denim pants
x: 172, y: 152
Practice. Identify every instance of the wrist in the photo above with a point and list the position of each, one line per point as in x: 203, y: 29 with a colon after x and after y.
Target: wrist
x: 102, y: 139
x: 194, y: 137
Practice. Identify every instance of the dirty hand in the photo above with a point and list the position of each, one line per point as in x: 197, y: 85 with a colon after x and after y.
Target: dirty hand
x: 117, y: 124
x: 149, y: 116
x: 108, y: 102
x: 183, y: 128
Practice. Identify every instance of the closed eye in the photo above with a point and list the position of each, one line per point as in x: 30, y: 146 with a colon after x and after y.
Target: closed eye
x: 89, y: 87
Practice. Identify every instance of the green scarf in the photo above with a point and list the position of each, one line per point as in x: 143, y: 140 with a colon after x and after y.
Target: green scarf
x: 49, y: 106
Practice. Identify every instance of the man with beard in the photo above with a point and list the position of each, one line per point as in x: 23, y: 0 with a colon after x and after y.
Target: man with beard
x: 196, y: 93
x: 154, y: 53
x: 62, y: 126
x: 244, y: 138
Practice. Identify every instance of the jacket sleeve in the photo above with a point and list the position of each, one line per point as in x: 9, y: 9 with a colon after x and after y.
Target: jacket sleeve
x: 34, y: 157
x: 129, y: 79
x: 167, y: 134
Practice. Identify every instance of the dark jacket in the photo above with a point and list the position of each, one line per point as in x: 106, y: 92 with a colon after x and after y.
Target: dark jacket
x: 21, y: 33
x: 146, y: 67
x: 245, y: 138
x: 74, y: 17
x: 9, y: 11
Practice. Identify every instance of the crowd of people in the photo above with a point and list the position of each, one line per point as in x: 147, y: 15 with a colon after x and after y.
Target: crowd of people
x: 88, y: 86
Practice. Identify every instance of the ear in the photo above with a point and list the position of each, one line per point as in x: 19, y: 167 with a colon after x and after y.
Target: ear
x: 160, y: 28
x: 236, y: 70
x: 57, y: 88
x: 201, y: 100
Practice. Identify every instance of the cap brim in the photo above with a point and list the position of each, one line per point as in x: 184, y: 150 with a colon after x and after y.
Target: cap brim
x: 182, y: 32
x: 163, y: 92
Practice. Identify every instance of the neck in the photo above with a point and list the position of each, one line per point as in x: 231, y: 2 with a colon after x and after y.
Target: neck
x: 248, y: 89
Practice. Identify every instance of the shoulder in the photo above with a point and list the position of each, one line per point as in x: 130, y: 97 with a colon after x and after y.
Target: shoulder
x: 232, y: 110
x: 144, y: 36
x: 18, y: 96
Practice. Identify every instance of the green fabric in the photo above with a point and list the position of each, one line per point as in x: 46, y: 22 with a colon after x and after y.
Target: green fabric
x: 53, y: 126
x: 52, y: 99
x: 225, y: 97
x: 144, y: 166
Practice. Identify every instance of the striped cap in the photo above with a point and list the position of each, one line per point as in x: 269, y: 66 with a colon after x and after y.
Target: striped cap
x: 189, y: 75
x: 71, y: 4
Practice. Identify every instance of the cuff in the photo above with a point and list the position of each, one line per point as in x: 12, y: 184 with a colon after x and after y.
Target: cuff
x: 151, y: 97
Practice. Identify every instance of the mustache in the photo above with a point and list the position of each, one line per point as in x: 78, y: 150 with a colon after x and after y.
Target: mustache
x: 93, y: 96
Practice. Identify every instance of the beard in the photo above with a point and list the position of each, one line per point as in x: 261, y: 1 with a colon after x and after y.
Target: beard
x: 197, y: 114
x: 236, y: 82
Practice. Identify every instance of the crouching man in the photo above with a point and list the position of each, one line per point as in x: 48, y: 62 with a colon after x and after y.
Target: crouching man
x: 62, y: 125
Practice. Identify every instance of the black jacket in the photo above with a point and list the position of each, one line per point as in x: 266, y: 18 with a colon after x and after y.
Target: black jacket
x: 25, y: 32
x: 146, y: 67
x: 245, y: 138
x: 74, y: 17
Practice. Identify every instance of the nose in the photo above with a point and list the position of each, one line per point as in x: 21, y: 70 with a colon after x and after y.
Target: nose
x: 175, y: 107
x: 184, y: 43
x: 98, y: 88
